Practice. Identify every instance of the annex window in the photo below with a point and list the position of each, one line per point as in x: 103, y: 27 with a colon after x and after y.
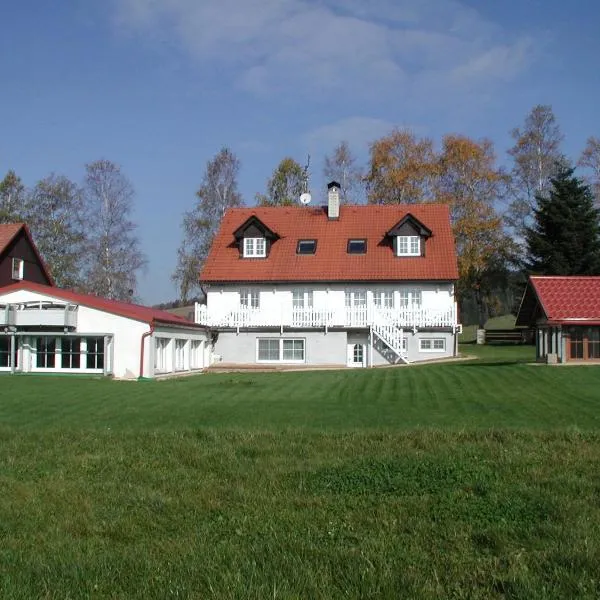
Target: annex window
x: 408, y: 245
x: 306, y: 247
x: 249, y: 298
x: 70, y: 353
x: 196, y: 358
x: 411, y: 298
x: 94, y: 352
x: 180, y: 355
x: 280, y: 350
x: 357, y: 246
x: 383, y: 299
x: 255, y: 247
x: 17, y: 268
x: 45, y: 355
x: 5, y: 351
x: 160, y: 354
x: 432, y: 345
x: 302, y: 298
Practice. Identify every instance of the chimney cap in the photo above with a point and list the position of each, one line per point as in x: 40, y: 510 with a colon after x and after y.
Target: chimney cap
x: 332, y: 184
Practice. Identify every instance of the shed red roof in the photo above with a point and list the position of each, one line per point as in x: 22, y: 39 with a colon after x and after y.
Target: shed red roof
x: 123, y: 309
x: 565, y: 299
x: 331, y: 262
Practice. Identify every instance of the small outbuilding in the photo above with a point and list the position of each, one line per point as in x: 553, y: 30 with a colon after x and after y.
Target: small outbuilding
x: 45, y: 329
x: 565, y: 310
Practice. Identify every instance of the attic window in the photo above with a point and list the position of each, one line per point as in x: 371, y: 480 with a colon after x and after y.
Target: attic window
x: 255, y: 247
x: 17, y: 268
x: 306, y: 247
x: 408, y: 245
x: 357, y: 246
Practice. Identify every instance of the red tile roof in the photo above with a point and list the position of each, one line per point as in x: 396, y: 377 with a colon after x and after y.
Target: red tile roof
x: 568, y: 299
x: 331, y: 262
x: 123, y: 309
x: 8, y: 232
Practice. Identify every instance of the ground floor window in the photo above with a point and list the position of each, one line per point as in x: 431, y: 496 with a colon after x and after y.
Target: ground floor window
x: 584, y: 343
x: 5, y: 355
x: 160, y: 354
x: 280, y: 350
x: 180, y: 355
x: 196, y: 358
x: 432, y: 344
x: 66, y: 352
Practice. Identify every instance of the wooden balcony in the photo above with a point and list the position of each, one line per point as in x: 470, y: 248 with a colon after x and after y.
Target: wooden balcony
x: 311, y: 318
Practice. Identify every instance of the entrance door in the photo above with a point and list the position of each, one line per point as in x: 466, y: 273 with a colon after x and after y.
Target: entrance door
x: 356, y: 355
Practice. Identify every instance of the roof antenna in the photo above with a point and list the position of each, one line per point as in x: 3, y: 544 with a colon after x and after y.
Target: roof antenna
x: 305, y: 196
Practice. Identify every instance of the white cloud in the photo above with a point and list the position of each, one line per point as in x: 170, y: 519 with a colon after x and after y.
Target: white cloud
x: 367, y: 50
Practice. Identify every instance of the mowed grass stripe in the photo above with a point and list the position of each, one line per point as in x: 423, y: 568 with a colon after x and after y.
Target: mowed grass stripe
x: 495, y: 390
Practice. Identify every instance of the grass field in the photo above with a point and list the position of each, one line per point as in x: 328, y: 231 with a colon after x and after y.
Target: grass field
x: 467, y: 480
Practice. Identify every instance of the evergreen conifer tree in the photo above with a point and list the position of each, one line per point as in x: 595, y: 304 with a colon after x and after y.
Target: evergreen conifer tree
x: 565, y: 236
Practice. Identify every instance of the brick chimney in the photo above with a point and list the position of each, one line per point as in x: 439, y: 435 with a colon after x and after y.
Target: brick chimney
x: 333, y: 200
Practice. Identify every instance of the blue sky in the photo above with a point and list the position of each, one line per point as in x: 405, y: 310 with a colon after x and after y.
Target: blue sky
x: 159, y: 86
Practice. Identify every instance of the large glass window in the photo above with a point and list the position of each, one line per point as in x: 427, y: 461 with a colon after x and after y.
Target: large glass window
x: 95, y: 352
x: 45, y: 352
x: 5, y: 351
x: 160, y: 354
x: 277, y: 350
x: 70, y: 353
x: 180, y: 355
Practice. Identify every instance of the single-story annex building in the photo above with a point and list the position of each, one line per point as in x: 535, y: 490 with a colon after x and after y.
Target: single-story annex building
x: 565, y: 310
x: 45, y: 329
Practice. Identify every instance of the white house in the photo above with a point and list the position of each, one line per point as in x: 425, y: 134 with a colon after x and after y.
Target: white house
x: 45, y: 329
x: 334, y: 285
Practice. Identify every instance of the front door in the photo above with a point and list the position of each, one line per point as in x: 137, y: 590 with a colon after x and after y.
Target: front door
x: 356, y: 355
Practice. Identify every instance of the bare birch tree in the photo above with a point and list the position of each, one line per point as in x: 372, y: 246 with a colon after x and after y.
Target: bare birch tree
x: 590, y: 159
x: 217, y: 193
x: 113, y: 255
x: 341, y: 166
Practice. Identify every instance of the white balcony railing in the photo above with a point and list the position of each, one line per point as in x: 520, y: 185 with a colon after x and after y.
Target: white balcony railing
x: 354, y: 316
x: 39, y: 314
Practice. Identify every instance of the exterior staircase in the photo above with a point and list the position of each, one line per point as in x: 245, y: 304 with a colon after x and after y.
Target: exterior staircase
x: 391, y: 336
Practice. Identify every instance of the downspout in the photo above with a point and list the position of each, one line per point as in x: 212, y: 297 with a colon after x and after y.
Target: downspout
x: 144, y: 336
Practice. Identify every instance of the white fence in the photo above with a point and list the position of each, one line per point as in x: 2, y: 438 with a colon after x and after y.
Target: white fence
x: 355, y: 316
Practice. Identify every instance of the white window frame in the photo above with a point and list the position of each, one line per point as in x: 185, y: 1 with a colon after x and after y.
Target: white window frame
x: 255, y: 247
x: 18, y: 267
x: 302, y: 298
x: 408, y: 245
x: 249, y: 298
x: 383, y: 298
x: 281, y: 353
x: 355, y: 298
x: 410, y: 298
x: 196, y: 354
x: 161, y: 355
x: 432, y: 342
x: 180, y: 354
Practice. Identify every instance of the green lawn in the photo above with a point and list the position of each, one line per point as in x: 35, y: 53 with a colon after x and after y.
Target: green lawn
x: 467, y: 480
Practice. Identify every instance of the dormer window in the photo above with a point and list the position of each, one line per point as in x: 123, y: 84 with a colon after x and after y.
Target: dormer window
x: 255, y: 247
x: 408, y: 245
x: 357, y: 246
x: 306, y: 247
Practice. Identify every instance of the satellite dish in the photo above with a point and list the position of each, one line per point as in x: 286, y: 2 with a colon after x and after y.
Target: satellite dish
x: 305, y: 198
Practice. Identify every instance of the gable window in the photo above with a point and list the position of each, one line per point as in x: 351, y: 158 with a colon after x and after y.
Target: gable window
x: 17, y: 268
x: 249, y: 298
x: 383, y: 299
x: 408, y: 245
x: 411, y: 298
x: 357, y: 246
x: 306, y: 247
x: 255, y: 247
x: 302, y: 298
x: 432, y: 345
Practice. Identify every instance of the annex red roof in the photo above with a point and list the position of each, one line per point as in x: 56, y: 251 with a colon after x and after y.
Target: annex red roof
x: 8, y: 232
x: 123, y: 309
x: 331, y: 262
x: 566, y: 299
